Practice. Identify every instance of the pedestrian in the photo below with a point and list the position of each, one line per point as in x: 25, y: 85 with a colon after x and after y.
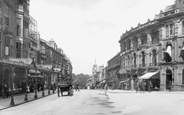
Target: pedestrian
x: 143, y: 85
x: 105, y: 88
x: 137, y: 86
x: 77, y: 87
x: 170, y: 86
x: 150, y: 85
x: 5, y: 88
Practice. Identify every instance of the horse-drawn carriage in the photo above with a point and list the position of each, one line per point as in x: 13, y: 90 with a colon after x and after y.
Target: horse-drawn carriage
x: 65, y: 88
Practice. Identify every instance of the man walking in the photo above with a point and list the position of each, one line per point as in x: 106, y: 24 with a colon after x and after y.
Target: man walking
x: 77, y: 87
x: 105, y: 88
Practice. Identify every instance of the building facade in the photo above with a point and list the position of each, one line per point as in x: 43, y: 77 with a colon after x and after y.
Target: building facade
x: 25, y: 58
x: 112, y: 72
x: 156, y: 46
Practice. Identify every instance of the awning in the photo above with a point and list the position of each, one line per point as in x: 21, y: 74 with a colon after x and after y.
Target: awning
x: 122, y: 71
x: 39, y: 76
x: 34, y: 71
x: 148, y: 75
x: 124, y: 81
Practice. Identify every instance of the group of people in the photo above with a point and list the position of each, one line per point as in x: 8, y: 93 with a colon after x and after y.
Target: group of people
x: 142, y: 85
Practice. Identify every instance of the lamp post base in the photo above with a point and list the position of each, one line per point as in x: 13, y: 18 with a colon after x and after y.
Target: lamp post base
x: 12, y: 102
x: 35, y: 96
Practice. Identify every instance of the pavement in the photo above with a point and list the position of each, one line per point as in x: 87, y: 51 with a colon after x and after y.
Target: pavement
x: 19, y: 98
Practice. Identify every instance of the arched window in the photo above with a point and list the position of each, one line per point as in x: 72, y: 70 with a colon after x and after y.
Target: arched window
x: 143, y: 59
x: 154, y: 57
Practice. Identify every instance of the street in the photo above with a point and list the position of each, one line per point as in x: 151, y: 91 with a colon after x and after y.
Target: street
x: 95, y: 102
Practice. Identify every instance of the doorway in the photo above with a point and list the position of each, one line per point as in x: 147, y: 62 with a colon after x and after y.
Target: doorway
x: 168, y: 78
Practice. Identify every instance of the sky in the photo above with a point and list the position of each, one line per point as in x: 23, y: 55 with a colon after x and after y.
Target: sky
x: 88, y: 31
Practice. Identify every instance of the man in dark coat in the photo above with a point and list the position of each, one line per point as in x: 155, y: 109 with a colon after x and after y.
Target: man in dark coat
x: 5, y: 88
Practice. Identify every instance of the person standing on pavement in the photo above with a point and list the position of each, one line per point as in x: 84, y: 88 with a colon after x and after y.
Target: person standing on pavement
x: 170, y: 86
x: 5, y: 88
x: 150, y: 85
x: 105, y: 88
x: 137, y: 86
x: 77, y: 87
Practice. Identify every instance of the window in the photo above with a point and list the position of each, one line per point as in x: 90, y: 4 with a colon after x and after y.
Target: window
x: 183, y: 77
x: 143, y: 59
x: 169, y: 30
x: 183, y: 27
x: 154, y: 58
x: 134, y: 60
x: 7, y: 40
x: 7, y: 48
x: 6, y: 15
x: 155, y: 36
x: 18, y: 26
x: 128, y: 61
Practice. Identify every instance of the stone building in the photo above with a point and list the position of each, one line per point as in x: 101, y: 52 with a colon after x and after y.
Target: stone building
x: 112, y: 71
x: 171, y: 21
x: 156, y: 46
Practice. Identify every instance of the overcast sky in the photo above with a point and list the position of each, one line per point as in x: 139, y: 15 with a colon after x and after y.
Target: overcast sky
x: 89, y: 30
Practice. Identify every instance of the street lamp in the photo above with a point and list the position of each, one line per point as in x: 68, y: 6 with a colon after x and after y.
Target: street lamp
x: 32, y: 55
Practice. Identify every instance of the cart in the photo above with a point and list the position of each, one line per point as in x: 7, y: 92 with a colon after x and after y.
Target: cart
x: 65, y: 88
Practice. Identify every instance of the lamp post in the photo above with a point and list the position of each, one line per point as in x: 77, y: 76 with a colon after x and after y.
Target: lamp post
x: 35, y: 87
x: 12, y: 76
x: 26, y: 98
x: 32, y: 55
x: 43, y: 92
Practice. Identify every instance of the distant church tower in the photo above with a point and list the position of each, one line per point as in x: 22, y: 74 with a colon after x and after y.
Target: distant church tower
x: 94, y: 69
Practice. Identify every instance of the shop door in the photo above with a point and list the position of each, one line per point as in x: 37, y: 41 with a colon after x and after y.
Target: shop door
x: 168, y: 78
